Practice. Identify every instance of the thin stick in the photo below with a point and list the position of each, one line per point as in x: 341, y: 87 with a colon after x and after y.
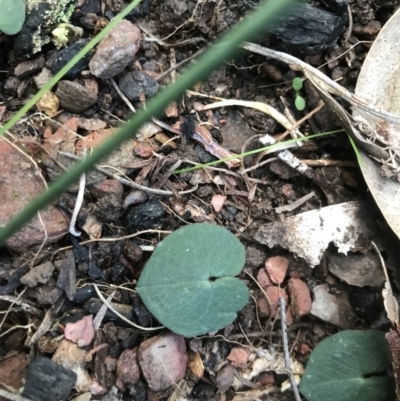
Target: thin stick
x: 322, y: 80
x: 112, y: 309
x: 131, y: 183
x: 78, y: 204
x: 282, y: 307
x: 13, y: 397
x: 350, y: 29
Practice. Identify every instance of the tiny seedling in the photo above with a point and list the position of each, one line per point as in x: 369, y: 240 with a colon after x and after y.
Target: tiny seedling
x: 299, y: 101
x: 12, y: 16
x: 349, y: 366
x: 189, y: 282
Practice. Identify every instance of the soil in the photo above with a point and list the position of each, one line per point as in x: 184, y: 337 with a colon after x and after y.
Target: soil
x: 111, y: 252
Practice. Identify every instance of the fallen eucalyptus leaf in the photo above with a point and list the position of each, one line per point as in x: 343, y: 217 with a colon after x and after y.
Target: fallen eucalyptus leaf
x: 378, y: 85
x: 309, y: 234
x: 188, y: 284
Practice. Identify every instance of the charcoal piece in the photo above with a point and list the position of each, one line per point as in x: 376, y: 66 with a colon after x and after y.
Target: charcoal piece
x: 141, y: 312
x: 62, y: 57
x: 136, y: 83
x: 142, y: 10
x: 94, y: 272
x: 130, y: 341
x: 48, y: 381
x: 83, y: 294
x: 24, y: 40
x: 309, y: 30
x: 115, y: 351
x: 13, y: 279
x: 145, y: 216
x: 91, y: 7
x: 203, y: 155
x: 337, y: 6
x: 93, y: 305
x: 72, y: 318
x: 138, y: 392
x: 119, y: 272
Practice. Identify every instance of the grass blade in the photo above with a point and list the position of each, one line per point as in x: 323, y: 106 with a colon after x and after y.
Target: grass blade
x: 225, y: 48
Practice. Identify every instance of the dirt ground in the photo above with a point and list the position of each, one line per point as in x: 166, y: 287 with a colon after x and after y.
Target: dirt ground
x: 45, y: 286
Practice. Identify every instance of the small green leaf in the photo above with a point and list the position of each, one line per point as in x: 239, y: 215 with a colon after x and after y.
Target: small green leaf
x: 188, y: 284
x: 349, y: 366
x: 300, y: 103
x: 12, y: 16
x: 297, y: 84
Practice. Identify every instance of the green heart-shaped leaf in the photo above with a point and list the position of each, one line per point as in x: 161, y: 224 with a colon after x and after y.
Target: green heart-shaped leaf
x: 349, y: 366
x: 12, y: 16
x: 188, y: 284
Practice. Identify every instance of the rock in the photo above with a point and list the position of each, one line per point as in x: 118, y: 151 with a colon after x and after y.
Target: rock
x: 195, y: 364
x: 276, y: 268
x: 39, y: 274
x: 46, y: 294
x: 332, y: 308
x: 144, y: 150
x: 107, y: 187
x: 66, y: 279
x: 163, y: 360
x: 74, y: 97
x: 42, y: 78
x: 110, y: 363
x: 132, y: 251
x: 83, y: 397
x: 80, y: 332
x: 235, y: 132
x: 358, y: 270
x: 48, y: 381
x: 62, y: 57
x: 116, y: 50
x: 13, y: 369
x: 73, y: 358
x: 300, y: 298
x: 29, y: 67
x: 91, y: 124
x: 239, y: 357
x: 263, y: 279
x: 128, y: 370
x: 272, y: 72
x: 135, y: 197
x: 266, y: 378
x: 270, y: 306
x: 11, y: 85
x: 217, y: 202
x: 225, y: 377
x: 48, y: 104
x: 254, y: 257
x: 136, y: 83
x: 19, y: 185
x: 145, y: 216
